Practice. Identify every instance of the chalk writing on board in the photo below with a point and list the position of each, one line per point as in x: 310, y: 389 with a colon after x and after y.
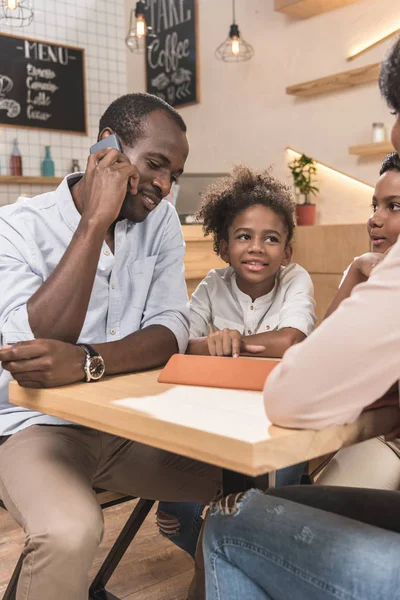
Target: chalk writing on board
x: 42, y: 85
x: 171, y: 58
x: 12, y: 107
x: 40, y: 90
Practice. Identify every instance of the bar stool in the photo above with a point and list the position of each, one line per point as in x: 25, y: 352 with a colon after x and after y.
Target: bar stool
x: 97, y: 589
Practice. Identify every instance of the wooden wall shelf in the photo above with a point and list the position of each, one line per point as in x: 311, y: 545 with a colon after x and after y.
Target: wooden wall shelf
x: 339, y: 81
x: 304, y: 9
x: 373, y: 149
x: 13, y: 179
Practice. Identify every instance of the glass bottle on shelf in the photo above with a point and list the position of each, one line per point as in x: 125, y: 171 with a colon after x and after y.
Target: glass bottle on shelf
x: 48, y: 164
x: 75, y: 166
x: 16, y: 160
x: 378, y: 133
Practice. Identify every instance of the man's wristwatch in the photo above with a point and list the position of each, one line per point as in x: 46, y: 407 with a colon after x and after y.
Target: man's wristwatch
x: 94, y: 366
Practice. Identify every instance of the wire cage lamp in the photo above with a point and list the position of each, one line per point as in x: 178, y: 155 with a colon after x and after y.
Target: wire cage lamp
x: 234, y: 48
x: 140, y: 34
x: 16, y: 13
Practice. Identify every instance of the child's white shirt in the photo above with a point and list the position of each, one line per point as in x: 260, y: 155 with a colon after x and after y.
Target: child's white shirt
x: 219, y: 303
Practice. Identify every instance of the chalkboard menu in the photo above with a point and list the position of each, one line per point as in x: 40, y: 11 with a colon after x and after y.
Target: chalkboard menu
x: 171, y: 57
x: 41, y: 85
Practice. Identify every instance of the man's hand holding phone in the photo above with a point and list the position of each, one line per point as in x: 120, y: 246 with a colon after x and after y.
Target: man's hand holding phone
x: 108, y: 175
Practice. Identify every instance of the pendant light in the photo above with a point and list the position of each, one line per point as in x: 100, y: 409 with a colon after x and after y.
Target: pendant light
x: 16, y: 13
x: 139, y: 31
x: 234, y: 48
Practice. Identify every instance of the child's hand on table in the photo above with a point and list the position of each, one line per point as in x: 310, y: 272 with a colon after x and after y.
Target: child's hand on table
x: 230, y: 342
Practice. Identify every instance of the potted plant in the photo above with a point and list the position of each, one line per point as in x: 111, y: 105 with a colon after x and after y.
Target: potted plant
x: 303, y: 170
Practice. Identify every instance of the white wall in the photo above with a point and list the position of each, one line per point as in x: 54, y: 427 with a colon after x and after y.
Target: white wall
x: 245, y: 115
x: 98, y: 27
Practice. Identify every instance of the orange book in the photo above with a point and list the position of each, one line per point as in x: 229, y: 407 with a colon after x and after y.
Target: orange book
x: 218, y: 371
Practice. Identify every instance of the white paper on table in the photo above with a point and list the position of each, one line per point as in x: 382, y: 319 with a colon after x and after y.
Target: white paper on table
x: 234, y: 413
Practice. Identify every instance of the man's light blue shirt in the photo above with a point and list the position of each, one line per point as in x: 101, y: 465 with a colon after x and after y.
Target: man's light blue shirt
x: 141, y: 284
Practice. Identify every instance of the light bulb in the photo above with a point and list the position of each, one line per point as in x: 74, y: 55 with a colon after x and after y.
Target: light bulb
x: 12, y: 4
x: 140, y: 26
x: 235, y: 46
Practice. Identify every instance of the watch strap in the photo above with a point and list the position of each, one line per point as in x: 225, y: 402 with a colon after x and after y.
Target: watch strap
x: 89, y: 350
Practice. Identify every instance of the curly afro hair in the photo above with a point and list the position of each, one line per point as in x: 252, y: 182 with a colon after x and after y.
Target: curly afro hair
x: 391, y: 162
x: 389, y: 78
x: 245, y: 187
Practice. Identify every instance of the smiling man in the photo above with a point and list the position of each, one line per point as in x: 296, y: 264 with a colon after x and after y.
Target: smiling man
x: 98, y: 261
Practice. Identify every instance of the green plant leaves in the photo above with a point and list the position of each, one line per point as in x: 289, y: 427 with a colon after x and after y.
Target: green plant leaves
x: 303, y: 171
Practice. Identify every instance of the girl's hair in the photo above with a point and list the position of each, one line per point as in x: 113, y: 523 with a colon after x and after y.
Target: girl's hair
x: 391, y: 162
x: 245, y: 187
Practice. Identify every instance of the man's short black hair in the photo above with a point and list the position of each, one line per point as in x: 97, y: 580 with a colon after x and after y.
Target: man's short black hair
x: 126, y: 116
x: 389, y: 78
x: 245, y: 187
x: 391, y: 162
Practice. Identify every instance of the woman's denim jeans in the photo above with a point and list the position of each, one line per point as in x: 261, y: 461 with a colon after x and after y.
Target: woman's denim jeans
x: 266, y: 547
x: 185, y: 518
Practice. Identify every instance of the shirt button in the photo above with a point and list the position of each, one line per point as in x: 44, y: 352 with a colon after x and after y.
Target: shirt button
x: 251, y: 307
x: 106, y: 252
x: 249, y: 331
x: 267, y: 327
x: 112, y: 331
x: 113, y: 286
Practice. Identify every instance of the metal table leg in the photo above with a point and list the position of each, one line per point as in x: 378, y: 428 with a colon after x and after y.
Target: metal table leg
x: 97, y: 590
x: 233, y: 482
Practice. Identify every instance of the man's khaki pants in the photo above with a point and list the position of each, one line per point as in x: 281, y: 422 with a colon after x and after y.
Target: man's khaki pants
x: 47, y: 475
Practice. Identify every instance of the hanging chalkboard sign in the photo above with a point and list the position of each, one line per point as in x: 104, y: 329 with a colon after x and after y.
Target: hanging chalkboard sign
x: 171, y: 58
x: 41, y: 85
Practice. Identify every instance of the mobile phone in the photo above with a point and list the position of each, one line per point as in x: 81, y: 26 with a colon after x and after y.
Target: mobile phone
x: 110, y: 141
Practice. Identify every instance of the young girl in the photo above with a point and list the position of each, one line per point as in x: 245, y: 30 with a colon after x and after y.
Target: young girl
x: 374, y: 463
x: 260, y: 304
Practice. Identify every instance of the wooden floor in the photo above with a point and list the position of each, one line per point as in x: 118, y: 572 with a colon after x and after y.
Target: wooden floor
x: 152, y: 569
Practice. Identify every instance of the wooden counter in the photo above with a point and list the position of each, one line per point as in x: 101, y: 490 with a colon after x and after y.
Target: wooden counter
x: 200, y: 257
x: 325, y: 251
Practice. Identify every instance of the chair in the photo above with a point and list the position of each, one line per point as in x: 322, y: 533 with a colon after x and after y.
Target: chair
x: 97, y: 589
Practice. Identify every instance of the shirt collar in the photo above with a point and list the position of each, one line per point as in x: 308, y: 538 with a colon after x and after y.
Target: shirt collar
x: 68, y: 210
x: 244, y: 298
x: 65, y: 202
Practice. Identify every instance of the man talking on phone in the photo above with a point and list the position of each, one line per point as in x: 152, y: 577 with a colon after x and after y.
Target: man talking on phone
x: 92, y: 284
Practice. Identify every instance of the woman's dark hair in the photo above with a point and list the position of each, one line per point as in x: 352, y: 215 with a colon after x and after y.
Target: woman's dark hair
x: 126, y: 116
x: 389, y: 78
x: 391, y: 162
x: 245, y: 187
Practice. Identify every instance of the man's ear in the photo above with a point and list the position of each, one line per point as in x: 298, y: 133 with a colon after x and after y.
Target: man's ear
x: 105, y: 133
x: 287, y: 257
x: 224, y: 251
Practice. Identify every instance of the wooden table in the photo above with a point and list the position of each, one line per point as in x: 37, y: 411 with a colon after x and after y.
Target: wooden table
x: 227, y: 428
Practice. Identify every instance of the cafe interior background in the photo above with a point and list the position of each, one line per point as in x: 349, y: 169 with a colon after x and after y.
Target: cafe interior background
x: 243, y: 113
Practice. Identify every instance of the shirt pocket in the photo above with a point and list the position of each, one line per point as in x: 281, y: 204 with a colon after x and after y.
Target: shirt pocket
x: 220, y: 323
x: 269, y: 324
x: 141, y: 277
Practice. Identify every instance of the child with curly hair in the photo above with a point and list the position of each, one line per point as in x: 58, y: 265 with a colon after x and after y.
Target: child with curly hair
x: 260, y: 304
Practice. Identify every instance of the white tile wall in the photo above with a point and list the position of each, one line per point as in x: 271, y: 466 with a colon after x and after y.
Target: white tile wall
x: 82, y: 23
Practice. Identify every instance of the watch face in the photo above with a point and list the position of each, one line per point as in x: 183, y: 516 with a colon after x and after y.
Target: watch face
x: 96, y: 367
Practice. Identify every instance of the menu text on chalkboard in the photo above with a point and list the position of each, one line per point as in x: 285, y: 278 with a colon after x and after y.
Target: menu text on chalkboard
x: 171, y: 58
x: 41, y: 85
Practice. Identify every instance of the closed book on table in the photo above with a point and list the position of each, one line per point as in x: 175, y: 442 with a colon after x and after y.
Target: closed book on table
x: 218, y: 371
